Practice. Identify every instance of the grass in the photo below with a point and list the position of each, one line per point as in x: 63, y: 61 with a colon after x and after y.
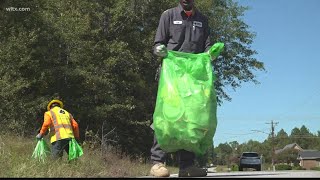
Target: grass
x: 16, y: 162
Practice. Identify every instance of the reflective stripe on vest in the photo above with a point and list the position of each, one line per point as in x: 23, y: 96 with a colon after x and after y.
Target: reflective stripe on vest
x: 68, y: 133
x: 55, y: 124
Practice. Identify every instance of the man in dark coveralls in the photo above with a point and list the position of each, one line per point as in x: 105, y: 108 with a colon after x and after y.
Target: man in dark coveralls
x: 184, y: 29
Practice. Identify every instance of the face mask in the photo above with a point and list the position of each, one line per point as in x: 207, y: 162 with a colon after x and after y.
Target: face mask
x: 187, y: 4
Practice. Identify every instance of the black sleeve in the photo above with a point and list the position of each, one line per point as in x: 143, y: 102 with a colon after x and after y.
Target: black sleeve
x: 162, y: 35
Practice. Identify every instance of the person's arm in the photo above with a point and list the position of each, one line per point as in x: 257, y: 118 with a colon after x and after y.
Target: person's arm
x: 46, y: 124
x: 162, y: 34
x: 75, y: 128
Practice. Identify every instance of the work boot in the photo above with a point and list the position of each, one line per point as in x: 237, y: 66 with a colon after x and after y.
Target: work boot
x: 159, y: 170
x: 192, y: 172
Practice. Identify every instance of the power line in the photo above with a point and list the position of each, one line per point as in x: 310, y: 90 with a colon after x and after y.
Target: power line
x: 238, y: 134
x: 298, y: 137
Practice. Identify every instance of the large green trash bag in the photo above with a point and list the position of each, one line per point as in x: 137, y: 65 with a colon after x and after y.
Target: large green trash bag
x: 41, y: 150
x: 75, y: 150
x: 185, y: 112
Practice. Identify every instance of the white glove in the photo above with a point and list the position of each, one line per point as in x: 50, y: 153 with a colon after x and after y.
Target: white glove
x: 39, y: 136
x: 161, y: 51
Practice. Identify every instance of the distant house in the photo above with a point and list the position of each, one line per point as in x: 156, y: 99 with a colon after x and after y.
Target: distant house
x: 293, y: 146
x: 309, y: 159
x: 288, y: 154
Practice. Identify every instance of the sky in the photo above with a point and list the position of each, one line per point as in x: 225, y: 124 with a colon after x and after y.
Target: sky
x: 288, y: 43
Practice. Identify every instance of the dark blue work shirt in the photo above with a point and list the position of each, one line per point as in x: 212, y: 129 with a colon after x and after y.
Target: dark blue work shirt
x: 182, y: 33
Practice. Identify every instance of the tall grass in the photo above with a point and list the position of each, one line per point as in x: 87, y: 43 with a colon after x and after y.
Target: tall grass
x: 16, y: 162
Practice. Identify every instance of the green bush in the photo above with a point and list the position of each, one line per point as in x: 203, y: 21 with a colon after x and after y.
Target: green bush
x: 316, y: 168
x: 234, y: 167
x: 283, y: 167
x: 298, y: 168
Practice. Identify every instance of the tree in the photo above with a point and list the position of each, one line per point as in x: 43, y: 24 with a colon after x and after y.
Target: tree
x: 64, y: 50
x: 235, y: 152
x: 252, y: 145
x: 281, y: 139
x: 236, y: 64
x: 96, y: 56
x: 303, y: 137
x: 223, y: 152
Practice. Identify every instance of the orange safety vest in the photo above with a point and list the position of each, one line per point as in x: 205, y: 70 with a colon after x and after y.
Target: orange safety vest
x: 61, y: 127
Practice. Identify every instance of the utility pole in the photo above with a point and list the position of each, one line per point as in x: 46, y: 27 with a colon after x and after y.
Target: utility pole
x: 273, y: 124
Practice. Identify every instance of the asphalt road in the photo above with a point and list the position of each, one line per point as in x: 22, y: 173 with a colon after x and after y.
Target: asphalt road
x: 263, y: 174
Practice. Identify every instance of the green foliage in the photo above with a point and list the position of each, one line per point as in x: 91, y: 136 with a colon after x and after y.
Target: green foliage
x: 282, y: 139
x: 16, y: 162
x: 223, y: 152
x: 252, y: 146
x: 316, y: 168
x: 288, y: 156
x: 237, y: 64
x: 298, y: 168
x: 234, y: 167
x: 283, y: 167
x: 96, y: 56
x: 226, y: 152
x: 303, y: 137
